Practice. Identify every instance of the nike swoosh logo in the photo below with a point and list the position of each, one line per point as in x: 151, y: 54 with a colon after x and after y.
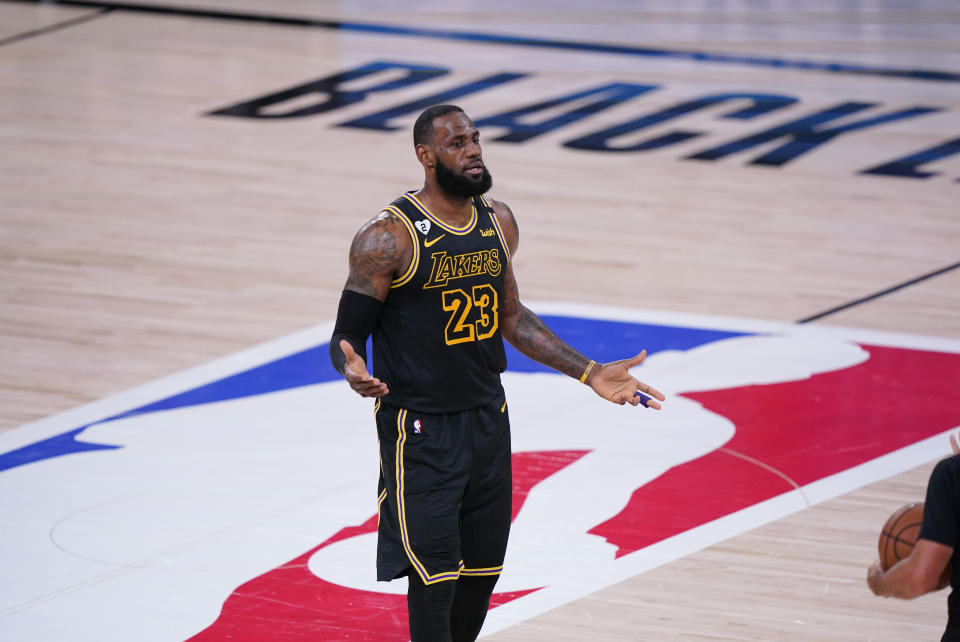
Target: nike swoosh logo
x: 427, y: 243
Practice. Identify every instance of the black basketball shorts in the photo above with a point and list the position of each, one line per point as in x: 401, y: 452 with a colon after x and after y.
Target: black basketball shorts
x: 444, y: 493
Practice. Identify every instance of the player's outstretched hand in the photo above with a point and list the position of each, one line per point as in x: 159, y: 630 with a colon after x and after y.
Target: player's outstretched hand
x: 355, y: 372
x: 613, y: 382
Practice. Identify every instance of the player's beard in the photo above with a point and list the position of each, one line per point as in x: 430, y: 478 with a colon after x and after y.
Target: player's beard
x: 461, y: 185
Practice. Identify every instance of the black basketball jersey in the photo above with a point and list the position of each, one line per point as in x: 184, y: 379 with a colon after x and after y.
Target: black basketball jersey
x: 941, y: 523
x: 437, y: 343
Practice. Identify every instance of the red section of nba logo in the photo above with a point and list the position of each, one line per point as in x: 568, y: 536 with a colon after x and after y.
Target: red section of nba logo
x: 290, y: 603
x: 800, y: 432
x: 787, y: 435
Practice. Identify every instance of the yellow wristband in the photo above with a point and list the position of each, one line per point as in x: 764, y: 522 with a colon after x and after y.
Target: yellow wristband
x: 590, y: 365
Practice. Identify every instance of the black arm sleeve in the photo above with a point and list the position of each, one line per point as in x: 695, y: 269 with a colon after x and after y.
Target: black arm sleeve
x: 356, y: 316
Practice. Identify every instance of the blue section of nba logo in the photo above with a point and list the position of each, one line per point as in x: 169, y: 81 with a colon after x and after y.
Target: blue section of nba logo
x: 303, y: 368
x: 300, y: 369
x: 605, y: 340
x: 602, y: 340
x: 62, y: 444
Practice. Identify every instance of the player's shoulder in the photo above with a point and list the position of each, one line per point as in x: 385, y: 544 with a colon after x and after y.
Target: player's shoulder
x: 507, y: 222
x: 947, y: 469
x: 385, y: 219
x: 387, y: 227
x: 503, y: 213
x: 501, y: 208
x: 950, y: 463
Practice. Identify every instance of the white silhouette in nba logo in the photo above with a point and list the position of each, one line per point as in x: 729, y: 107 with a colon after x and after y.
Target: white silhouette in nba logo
x: 122, y: 528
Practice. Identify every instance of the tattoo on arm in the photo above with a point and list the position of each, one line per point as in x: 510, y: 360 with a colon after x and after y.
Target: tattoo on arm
x: 535, y: 339
x: 376, y: 255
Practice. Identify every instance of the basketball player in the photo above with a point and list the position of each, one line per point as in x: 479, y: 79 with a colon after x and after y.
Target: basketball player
x: 431, y: 277
x: 936, y: 548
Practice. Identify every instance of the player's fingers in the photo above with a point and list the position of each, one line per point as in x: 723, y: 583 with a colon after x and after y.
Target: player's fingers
x: 361, y: 387
x: 637, y: 360
x: 356, y: 374
x: 370, y: 387
x: 650, y: 390
x: 640, y: 399
x: 379, y: 392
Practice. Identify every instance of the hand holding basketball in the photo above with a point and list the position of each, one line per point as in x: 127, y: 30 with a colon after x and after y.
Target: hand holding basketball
x: 898, y: 538
x: 899, y: 534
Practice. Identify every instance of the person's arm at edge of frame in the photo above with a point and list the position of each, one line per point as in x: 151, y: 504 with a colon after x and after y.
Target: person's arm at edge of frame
x: 530, y: 335
x: 380, y: 250
x: 920, y: 573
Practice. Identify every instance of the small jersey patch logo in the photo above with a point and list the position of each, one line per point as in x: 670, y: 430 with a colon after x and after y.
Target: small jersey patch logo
x: 423, y: 226
x: 487, y: 232
x: 416, y: 426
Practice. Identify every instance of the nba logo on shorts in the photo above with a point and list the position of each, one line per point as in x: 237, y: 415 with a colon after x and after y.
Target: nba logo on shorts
x: 416, y: 426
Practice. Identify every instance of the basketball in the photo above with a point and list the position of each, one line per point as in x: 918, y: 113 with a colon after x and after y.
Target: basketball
x: 899, y: 534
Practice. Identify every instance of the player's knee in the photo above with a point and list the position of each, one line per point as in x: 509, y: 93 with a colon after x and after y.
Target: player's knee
x: 470, y: 606
x: 429, y: 609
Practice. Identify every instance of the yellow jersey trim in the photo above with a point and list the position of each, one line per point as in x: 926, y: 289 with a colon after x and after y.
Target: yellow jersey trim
x: 415, y: 260
x: 466, y: 229
x: 503, y: 239
x: 380, y: 500
x: 479, y: 572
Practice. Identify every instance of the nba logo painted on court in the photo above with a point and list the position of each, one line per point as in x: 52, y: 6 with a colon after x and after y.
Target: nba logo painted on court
x: 222, y: 504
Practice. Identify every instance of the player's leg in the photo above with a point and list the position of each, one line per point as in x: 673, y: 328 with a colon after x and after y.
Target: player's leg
x: 429, y: 608
x: 470, y: 605
x: 392, y: 559
x: 425, y: 464
x: 487, y: 509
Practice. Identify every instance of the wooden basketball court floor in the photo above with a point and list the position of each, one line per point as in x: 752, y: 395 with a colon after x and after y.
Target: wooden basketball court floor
x: 142, y: 234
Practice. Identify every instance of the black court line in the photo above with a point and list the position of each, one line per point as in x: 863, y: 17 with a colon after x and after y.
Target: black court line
x: 55, y: 27
x: 881, y: 293
x: 546, y: 43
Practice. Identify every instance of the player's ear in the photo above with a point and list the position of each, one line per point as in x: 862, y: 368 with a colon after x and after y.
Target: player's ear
x: 425, y: 155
